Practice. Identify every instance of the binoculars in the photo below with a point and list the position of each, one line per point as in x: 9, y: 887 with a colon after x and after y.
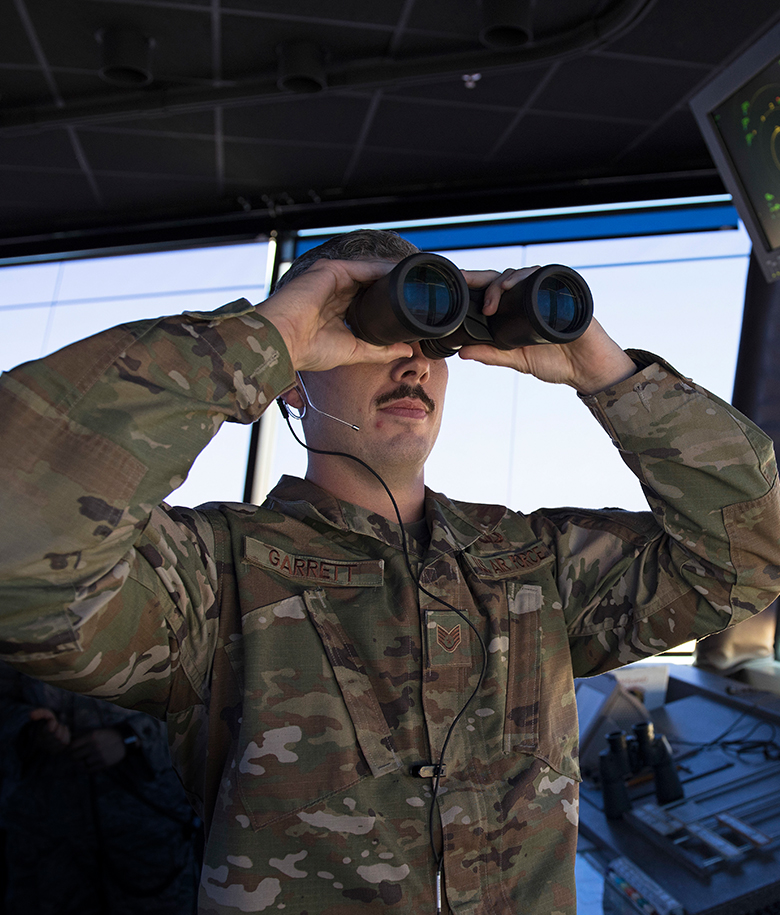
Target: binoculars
x: 626, y: 756
x: 425, y: 298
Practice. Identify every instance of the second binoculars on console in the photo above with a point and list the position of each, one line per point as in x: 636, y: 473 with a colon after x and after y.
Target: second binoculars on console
x: 425, y: 298
x: 628, y: 755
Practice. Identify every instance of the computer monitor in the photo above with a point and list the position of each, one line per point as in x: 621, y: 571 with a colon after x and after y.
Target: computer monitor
x: 738, y: 114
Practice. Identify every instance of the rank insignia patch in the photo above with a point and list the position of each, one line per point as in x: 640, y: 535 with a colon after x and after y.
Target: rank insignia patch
x: 448, y: 639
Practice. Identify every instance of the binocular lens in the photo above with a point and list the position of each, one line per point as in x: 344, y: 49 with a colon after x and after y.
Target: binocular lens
x: 559, y: 304
x: 430, y: 295
x: 425, y: 297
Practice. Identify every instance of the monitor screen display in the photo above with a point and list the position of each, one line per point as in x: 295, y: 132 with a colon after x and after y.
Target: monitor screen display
x: 749, y: 125
x: 738, y: 114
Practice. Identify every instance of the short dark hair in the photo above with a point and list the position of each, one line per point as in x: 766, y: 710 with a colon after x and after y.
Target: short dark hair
x: 351, y: 246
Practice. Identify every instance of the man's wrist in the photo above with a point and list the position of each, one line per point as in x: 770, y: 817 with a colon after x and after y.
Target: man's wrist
x: 619, y: 370
x: 276, y: 319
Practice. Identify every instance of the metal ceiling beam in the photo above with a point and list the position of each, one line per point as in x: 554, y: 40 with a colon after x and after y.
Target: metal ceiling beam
x: 360, y: 74
x: 125, y: 236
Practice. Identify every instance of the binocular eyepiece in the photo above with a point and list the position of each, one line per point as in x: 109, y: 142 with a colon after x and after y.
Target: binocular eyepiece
x: 425, y: 298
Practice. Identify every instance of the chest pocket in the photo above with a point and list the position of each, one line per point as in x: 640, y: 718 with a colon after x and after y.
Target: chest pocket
x: 311, y: 723
x: 523, y: 693
x: 541, y: 716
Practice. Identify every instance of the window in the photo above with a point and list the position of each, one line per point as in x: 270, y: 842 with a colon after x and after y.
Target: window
x: 44, y: 307
x: 510, y: 439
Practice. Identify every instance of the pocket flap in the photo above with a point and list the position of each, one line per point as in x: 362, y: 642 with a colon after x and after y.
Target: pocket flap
x: 373, y: 734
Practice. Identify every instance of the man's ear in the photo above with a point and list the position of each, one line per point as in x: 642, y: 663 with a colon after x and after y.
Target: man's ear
x: 294, y: 398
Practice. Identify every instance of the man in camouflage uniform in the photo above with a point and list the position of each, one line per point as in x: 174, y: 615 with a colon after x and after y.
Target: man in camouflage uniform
x: 309, y: 677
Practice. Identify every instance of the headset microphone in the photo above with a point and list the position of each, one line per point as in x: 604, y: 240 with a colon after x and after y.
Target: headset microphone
x: 307, y: 404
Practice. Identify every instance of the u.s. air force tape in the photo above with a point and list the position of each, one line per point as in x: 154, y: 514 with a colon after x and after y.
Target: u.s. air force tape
x: 510, y: 563
x: 340, y: 573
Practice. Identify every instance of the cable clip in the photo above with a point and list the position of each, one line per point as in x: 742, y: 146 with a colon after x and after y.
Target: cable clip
x: 433, y: 770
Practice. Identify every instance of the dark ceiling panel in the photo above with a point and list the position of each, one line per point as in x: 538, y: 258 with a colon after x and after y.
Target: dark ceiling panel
x: 334, y: 119
x: 29, y: 198
x: 395, y: 172
x: 52, y: 152
x: 593, y: 109
x: 157, y: 193
x: 276, y: 168
x: 15, y: 49
x: 75, y: 83
x: 555, y: 145
x: 148, y: 154
x: 698, y: 32
x: 196, y: 124
x: 357, y: 12
x: 608, y: 87
x: 429, y: 128
x: 459, y: 17
x: 21, y: 86
x: 689, y: 150
x: 410, y: 44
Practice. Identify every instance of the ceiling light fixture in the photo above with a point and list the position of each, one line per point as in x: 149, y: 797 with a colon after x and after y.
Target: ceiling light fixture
x: 506, y: 24
x: 301, y: 67
x: 127, y: 57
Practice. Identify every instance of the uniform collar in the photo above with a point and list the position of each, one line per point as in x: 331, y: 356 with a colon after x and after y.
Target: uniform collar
x: 454, y: 525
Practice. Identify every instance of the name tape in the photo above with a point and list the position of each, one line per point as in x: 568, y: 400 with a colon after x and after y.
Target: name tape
x: 340, y: 573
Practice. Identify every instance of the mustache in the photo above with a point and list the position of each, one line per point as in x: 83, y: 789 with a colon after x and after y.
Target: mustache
x: 406, y: 391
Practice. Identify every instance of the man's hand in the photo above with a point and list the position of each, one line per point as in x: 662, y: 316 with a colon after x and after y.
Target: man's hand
x: 590, y: 364
x: 99, y: 749
x: 309, y: 314
x: 46, y: 732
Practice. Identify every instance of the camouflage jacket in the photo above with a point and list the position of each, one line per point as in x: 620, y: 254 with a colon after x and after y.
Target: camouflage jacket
x: 305, y: 672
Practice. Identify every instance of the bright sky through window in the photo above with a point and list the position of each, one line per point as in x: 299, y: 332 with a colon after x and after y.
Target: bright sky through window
x: 505, y: 438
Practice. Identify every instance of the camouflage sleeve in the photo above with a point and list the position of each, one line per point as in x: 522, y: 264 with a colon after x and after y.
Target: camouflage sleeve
x: 93, y: 439
x: 707, y: 557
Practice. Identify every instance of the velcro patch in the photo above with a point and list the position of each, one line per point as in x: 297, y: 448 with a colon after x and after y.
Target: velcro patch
x: 448, y: 639
x: 339, y: 573
x: 510, y: 564
x: 449, y: 643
